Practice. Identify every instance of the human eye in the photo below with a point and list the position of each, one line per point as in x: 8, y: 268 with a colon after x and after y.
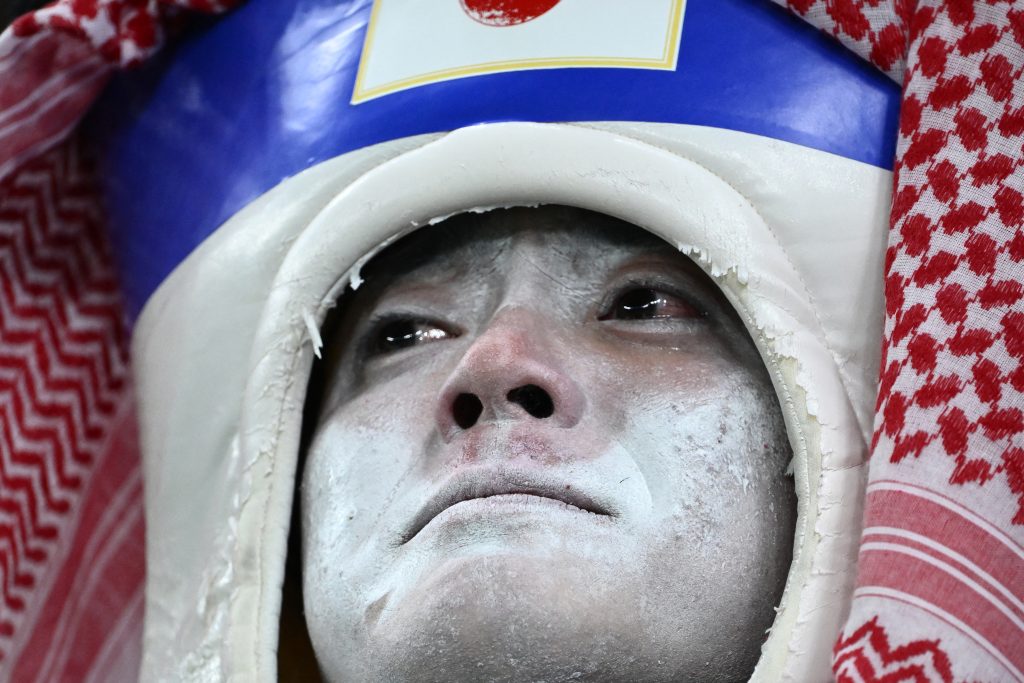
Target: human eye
x: 649, y: 302
x: 393, y: 333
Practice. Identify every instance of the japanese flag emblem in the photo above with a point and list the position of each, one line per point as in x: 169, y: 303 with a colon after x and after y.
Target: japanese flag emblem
x: 411, y: 43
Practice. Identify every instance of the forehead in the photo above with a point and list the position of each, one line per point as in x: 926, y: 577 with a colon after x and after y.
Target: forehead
x: 473, y: 245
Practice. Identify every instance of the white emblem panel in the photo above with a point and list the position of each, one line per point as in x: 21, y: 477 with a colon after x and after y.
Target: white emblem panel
x: 415, y: 42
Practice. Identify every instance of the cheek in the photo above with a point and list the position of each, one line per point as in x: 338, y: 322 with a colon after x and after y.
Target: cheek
x: 356, y: 463
x: 710, y: 442
x: 720, y: 521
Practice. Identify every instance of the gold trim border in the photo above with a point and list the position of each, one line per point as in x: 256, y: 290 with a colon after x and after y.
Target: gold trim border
x: 667, y: 61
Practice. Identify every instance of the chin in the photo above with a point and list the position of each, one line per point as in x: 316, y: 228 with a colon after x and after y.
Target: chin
x: 514, y: 618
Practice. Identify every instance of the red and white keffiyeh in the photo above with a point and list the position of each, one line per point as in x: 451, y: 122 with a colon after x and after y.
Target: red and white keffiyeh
x: 940, y: 593
x: 940, y: 589
x: 71, y: 526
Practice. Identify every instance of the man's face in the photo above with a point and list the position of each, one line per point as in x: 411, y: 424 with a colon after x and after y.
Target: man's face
x: 550, y: 452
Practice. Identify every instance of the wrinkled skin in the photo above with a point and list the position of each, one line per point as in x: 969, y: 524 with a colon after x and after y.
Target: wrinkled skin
x: 636, y: 524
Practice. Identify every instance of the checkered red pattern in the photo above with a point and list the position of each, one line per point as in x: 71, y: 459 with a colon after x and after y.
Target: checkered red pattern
x: 123, y: 32
x: 71, y: 527
x: 940, y: 594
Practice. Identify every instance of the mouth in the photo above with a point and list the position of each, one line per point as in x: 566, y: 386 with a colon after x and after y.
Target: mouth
x: 505, y: 487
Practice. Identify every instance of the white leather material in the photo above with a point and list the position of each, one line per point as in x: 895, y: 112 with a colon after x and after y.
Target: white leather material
x: 795, y: 238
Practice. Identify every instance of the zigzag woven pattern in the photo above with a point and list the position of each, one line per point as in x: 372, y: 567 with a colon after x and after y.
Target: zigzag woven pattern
x: 940, y: 590
x: 63, y: 369
x: 71, y: 530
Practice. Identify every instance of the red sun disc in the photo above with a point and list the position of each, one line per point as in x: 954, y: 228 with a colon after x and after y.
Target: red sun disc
x: 506, y: 12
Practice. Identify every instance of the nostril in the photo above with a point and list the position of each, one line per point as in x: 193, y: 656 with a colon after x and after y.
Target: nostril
x: 466, y: 410
x: 533, y: 400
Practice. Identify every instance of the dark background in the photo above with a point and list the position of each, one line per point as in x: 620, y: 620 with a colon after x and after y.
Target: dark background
x: 12, y: 9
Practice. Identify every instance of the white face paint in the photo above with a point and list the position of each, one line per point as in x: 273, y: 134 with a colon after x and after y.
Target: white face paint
x: 625, y: 516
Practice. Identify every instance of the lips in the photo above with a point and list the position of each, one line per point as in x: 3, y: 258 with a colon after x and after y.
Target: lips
x: 489, y: 483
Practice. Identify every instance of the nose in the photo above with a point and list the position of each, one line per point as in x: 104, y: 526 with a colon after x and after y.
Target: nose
x: 512, y: 371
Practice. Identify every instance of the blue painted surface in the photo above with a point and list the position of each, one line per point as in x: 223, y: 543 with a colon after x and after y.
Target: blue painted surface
x: 244, y: 101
